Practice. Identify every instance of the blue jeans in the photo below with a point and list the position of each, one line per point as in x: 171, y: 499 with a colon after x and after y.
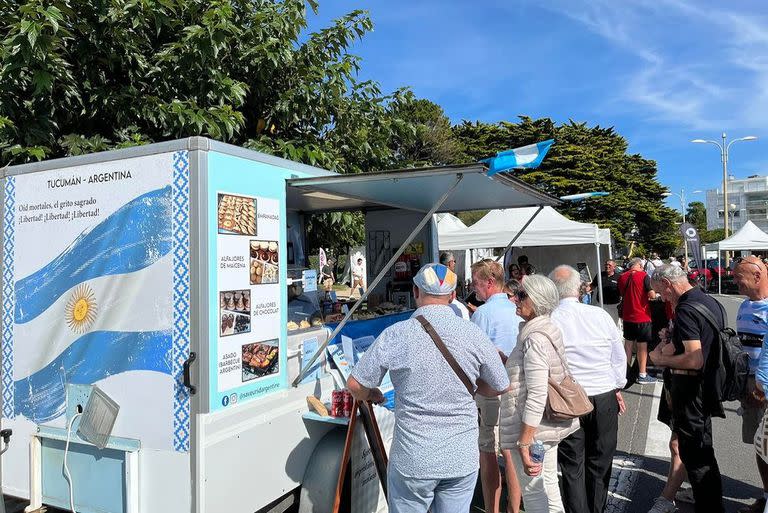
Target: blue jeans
x: 414, y: 495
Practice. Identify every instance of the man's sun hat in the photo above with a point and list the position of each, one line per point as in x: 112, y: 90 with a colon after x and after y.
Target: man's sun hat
x: 435, y: 279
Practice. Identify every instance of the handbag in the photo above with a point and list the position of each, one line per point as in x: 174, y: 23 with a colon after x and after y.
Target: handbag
x: 565, y: 400
x: 447, y: 354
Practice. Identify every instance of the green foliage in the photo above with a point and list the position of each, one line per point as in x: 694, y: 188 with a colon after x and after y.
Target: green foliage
x: 696, y: 214
x: 78, y: 76
x: 585, y: 159
x: 470, y: 217
x: 710, y: 236
x: 335, y: 231
x: 426, y: 138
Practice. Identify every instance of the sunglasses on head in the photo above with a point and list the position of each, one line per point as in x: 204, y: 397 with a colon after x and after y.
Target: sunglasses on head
x: 743, y: 260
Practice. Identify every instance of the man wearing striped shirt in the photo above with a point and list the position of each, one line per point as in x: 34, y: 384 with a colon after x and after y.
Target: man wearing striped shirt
x: 751, y: 276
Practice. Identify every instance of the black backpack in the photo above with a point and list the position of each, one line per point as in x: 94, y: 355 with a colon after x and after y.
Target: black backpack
x: 733, y: 365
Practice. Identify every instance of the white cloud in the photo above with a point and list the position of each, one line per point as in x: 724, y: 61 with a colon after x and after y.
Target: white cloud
x: 699, y: 67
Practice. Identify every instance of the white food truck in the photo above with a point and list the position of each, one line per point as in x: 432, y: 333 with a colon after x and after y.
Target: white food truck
x: 166, y: 275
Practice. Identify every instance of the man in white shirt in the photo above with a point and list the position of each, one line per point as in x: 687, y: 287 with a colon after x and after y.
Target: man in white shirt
x: 499, y: 320
x: 594, y: 349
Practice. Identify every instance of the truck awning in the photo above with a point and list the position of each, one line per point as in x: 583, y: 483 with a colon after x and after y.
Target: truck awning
x: 415, y: 189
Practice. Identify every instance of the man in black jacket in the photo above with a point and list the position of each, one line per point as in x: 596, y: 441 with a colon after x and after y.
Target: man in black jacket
x: 691, y: 357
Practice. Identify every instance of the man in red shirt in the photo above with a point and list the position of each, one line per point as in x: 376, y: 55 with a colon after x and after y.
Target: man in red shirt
x: 636, y: 292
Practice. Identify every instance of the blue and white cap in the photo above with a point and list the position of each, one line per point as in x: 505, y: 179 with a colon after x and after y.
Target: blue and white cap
x: 435, y: 279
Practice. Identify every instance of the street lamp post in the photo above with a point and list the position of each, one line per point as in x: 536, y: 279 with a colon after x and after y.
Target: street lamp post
x: 724, y: 149
x: 683, y: 206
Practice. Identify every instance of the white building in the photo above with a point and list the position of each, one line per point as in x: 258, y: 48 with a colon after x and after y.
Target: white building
x: 748, y: 200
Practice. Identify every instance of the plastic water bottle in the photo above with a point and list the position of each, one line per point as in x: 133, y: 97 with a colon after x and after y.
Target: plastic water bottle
x: 537, y: 451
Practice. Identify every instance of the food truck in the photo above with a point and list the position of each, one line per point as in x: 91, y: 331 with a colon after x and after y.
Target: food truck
x: 174, y: 278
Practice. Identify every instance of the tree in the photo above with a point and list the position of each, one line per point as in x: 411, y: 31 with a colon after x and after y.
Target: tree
x: 585, y: 159
x: 79, y: 76
x: 427, y: 139
x: 696, y: 214
x: 710, y: 236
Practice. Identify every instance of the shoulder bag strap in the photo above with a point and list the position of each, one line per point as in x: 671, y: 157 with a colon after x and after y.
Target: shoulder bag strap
x: 707, y: 314
x: 446, y: 353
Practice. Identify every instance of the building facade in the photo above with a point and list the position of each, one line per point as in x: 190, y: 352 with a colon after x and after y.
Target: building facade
x: 747, y: 199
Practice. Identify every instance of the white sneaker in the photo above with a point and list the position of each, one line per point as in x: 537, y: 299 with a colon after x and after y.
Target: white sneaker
x: 685, y: 495
x: 662, y: 505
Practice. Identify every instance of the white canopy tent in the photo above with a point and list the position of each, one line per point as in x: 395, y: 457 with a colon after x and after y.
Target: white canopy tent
x: 464, y: 258
x: 749, y: 237
x: 549, y: 239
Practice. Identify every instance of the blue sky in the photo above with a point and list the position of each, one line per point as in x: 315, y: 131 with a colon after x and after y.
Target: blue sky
x: 662, y: 72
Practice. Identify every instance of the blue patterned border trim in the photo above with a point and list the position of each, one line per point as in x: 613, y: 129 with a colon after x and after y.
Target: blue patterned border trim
x: 180, y: 230
x: 9, y: 302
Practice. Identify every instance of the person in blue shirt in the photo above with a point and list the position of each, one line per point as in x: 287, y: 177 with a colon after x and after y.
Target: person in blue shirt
x: 499, y: 320
x: 433, y: 460
x: 751, y: 277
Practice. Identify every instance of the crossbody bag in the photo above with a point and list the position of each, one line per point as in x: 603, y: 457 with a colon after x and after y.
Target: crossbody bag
x: 565, y: 400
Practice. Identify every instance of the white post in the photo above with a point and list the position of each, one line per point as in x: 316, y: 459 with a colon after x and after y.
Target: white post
x: 719, y: 273
x: 599, y: 275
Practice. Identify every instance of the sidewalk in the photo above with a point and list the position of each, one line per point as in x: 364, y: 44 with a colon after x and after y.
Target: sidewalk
x: 642, y: 459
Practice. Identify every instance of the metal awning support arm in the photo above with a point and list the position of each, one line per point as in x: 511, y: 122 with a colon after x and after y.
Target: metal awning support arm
x: 518, y: 234
x: 599, y: 267
x: 427, y: 217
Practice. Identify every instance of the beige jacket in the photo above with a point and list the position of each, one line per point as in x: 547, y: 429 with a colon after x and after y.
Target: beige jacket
x: 529, y: 366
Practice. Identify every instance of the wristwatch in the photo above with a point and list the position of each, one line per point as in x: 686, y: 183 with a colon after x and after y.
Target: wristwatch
x: 522, y: 445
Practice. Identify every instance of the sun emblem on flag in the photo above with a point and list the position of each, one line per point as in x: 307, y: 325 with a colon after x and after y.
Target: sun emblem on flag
x: 81, y: 309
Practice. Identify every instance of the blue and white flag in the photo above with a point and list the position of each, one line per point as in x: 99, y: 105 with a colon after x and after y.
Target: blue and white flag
x: 526, y: 157
x: 93, y: 311
x: 584, y: 195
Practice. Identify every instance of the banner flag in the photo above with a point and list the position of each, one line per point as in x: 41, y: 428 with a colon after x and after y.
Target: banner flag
x: 691, y: 238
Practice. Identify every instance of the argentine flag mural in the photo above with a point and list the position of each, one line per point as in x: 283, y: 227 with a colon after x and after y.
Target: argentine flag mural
x: 83, y: 316
x: 100, y: 294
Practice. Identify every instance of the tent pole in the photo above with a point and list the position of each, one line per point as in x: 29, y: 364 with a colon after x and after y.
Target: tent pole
x: 518, y: 234
x: 599, y: 266
x: 599, y: 274
x: 719, y: 273
x: 428, y: 216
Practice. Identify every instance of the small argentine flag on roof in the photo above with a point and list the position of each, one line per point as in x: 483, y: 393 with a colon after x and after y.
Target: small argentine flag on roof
x: 525, y: 157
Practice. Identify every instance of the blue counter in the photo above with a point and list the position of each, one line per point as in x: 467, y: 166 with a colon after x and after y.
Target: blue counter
x: 367, y: 327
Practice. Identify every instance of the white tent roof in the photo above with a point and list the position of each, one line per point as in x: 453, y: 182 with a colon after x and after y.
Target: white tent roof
x: 749, y: 236
x: 448, y: 222
x: 499, y: 227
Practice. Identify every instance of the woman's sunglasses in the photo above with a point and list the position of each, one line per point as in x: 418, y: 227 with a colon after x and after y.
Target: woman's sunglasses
x: 521, y: 295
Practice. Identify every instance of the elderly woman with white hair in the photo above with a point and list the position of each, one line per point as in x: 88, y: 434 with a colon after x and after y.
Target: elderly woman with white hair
x: 538, y: 355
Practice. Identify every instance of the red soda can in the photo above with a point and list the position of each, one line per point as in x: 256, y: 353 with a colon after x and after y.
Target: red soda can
x: 347, y: 403
x: 337, y: 403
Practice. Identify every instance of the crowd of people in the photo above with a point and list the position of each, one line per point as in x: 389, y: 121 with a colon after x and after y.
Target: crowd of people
x: 475, y: 385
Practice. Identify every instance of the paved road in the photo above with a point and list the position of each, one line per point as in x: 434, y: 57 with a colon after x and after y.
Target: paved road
x: 643, y: 459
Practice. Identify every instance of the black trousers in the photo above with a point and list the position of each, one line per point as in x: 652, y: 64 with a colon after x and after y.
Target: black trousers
x: 703, y: 473
x: 693, y: 424
x: 586, y: 457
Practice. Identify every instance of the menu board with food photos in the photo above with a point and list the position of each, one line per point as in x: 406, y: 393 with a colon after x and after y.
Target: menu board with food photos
x: 248, y: 256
